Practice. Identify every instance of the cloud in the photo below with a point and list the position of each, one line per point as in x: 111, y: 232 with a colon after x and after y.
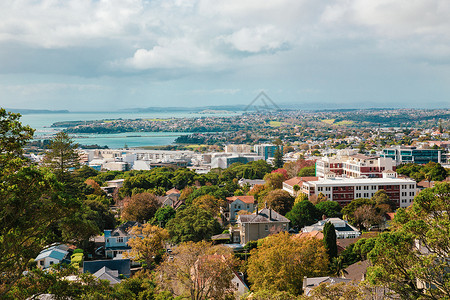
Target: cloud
x: 259, y: 39
x: 215, y: 91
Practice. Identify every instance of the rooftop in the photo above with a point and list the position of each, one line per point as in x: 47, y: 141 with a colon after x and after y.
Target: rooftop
x: 266, y: 215
x: 245, y: 199
x: 366, y: 181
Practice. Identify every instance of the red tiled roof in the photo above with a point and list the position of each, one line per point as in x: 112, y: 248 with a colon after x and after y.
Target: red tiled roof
x: 298, y: 180
x: 313, y: 234
x: 245, y: 199
x: 172, y: 191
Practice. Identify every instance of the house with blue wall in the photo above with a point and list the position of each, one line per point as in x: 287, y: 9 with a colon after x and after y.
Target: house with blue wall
x: 116, y: 241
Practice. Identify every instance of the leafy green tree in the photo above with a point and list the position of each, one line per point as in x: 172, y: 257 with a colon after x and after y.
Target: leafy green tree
x: 331, y: 209
x: 415, y: 253
x: 163, y: 215
x: 381, y: 199
x: 101, y: 213
x: 280, y: 262
x: 147, y: 244
x: 307, y: 171
x: 62, y: 156
x: 192, y: 224
x: 182, y: 178
x: 278, y: 158
x: 349, y: 209
x: 32, y: 204
x: 329, y: 239
x: 274, y: 181
x: 13, y: 137
x: 303, y: 214
x: 279, y: 200
x: 209, y: 203
x: 300, y: 198
x: 140, y: 207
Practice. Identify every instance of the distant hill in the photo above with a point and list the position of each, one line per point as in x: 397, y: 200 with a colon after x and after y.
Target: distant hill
x: 37, y: 111
x: 223, y: 108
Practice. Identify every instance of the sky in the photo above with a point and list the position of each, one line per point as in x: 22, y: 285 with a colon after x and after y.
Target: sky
x: 84, y: 55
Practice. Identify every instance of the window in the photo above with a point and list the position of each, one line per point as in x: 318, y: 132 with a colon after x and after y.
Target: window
x: 51, y: 262
x: 41, y: 262
x: 266, y: 227
x: 120, y: 239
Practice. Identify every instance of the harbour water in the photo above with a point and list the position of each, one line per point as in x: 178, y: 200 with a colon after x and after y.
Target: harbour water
x: 42, y: 124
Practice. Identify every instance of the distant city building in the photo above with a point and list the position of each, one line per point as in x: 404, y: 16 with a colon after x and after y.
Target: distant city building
x: 344, y: 190
x: 238, y: 148
x: 355, y: 166
x: 224, y: 160
x: 403, y: 154
x: 266, y: 150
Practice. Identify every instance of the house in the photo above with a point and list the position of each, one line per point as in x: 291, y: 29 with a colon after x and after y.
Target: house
x: 289, y: 184
x: 236, y: 204
x: 172, y: 200
x: 357, y: 271
x: 310, y: 283
x: 116, y: 241
x: 107, y: 274
x: 343, y: 229
x: 250, y: 182
x: 258, y: 225
x: 55, y: 254
x: 111, y: 270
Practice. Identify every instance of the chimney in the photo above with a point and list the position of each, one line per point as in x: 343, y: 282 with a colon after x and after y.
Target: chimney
x: 304, y: 282
x: 270, y: 214
x: 256, y: 203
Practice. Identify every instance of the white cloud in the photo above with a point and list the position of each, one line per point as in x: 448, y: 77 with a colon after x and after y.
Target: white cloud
x: 173, y: 53
x: 254, y: 40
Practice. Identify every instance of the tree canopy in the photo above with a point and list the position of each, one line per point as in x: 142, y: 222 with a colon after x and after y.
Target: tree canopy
x: 192, y: 224
x: 280, y: 262
x: 414, y: 256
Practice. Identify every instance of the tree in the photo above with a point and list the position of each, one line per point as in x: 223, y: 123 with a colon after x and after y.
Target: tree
x: 282, y: 171
x: 280, y: 262
x: 329, y: 239
x: 209, y: 203
x: 381, y: 199
x: 307, y: 171
x: 62, y: 156
x: 140, y: 207
x: 366, y: 216
x: 303, y: 214
x: 274, y: 180
x: 199, y: 271
x: 163, y: 215
x: 292, y: 168
x: 13, y: 137
x: 349, y: 209
x: 416, y: 252
x: 259, y: 191
x: 331, y: 209
x: 278, y: 158
x: 300, y: 198
x: 192, y: 224
x: 95, y: 187
x: 279, y: 200
x: 32, y: 204
x: 147, y: 244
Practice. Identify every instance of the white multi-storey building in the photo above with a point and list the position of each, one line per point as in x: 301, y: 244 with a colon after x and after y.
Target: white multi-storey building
x: 344, y: 190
